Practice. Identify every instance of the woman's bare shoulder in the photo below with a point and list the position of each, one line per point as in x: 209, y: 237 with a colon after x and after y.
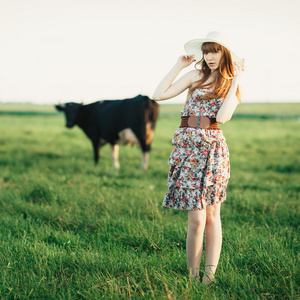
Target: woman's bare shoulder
x: 195, y: 75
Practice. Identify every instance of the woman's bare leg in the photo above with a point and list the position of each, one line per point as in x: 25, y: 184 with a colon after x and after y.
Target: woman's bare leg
x: 213, y: 241
x: 194, y: 240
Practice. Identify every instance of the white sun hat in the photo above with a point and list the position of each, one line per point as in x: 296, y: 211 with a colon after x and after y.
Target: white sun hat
x: 193, y: 47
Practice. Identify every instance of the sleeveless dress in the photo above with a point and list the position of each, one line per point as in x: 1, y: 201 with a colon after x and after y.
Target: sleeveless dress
x: 199, y: 162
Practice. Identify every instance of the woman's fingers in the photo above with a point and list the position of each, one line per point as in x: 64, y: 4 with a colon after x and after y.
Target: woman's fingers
x: 189, y: 56
x: 239, y: 69
x: 241, y: 66
x: 186, y: 60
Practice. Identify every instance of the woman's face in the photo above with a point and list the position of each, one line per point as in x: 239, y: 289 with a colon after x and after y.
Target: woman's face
x: 213, y: 59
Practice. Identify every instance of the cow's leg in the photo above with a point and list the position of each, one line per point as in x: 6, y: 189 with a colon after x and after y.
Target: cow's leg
x: 115, y: 156
x: 96, y: 150
x: 148, y: 139
x: 145, y: 160
x: 145, y: 147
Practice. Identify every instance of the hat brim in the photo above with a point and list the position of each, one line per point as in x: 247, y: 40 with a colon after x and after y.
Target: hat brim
x: 193, y: 47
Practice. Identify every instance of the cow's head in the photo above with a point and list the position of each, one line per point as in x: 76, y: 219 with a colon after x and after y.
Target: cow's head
x: 71, y: 112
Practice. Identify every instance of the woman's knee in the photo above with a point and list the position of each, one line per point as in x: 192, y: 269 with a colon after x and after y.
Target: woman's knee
x: 213, y: 213
x: 196, y: 219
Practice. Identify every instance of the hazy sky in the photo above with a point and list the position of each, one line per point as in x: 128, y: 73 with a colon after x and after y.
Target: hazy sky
x: 82, y: 50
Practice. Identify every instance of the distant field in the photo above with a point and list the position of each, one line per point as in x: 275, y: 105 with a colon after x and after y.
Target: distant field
x: 72, y: 230
x: 26, y: 107
x: 264, y: 109
x: 267, y: 109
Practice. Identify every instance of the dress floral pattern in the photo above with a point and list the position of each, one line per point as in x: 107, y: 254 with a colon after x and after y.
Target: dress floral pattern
x: 199, y: 162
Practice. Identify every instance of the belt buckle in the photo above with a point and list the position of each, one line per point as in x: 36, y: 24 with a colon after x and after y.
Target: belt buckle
x: 193, y: 121
x: 205, y: 122
x: 199, y: 122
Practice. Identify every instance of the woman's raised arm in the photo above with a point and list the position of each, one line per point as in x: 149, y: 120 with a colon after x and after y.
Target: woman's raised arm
x: 167, y: 89
x: 231, y: 101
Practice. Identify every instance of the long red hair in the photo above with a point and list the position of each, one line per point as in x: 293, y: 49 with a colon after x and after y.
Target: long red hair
x: 224, y: 76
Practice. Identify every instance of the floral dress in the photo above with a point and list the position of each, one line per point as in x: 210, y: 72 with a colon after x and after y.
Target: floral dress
x: 199, y: 162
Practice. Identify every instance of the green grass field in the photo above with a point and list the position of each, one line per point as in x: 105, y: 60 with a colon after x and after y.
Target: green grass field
x: 72, y: 230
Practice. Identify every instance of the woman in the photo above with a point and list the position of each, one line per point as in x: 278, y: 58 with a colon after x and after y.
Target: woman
x: 199, y: 163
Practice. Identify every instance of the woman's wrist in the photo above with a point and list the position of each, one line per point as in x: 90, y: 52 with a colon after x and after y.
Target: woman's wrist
x: 235, y: 83
x: 178, y: 66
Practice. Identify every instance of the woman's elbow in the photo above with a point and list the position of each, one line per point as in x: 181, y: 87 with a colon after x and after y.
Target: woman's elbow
x: 156, y: 98
x: 221, y: 120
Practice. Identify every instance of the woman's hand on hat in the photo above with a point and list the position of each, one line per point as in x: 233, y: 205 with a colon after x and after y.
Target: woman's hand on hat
x: 239, y: 69
x: 185, y: 60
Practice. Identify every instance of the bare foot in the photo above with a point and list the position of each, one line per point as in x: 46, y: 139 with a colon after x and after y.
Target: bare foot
x: 208, y: 279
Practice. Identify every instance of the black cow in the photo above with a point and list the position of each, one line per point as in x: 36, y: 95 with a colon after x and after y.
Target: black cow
x: 115, y: 122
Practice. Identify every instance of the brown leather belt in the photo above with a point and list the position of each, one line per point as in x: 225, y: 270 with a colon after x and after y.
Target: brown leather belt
x: 199, y: 122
